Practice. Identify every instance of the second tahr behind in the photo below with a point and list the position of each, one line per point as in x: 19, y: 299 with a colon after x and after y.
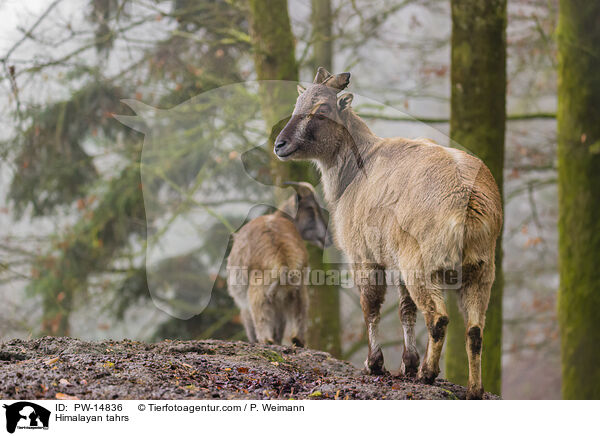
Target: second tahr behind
x: 266, y: 268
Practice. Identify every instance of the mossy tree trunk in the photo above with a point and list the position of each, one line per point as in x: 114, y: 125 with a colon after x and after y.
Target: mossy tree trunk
x: 274, y: 59
x: 477, y: 122
x: 324, y: 331
x: 274, y: 54
x: 456, y: 362
x: 321, y: 18
x: 578, y: 192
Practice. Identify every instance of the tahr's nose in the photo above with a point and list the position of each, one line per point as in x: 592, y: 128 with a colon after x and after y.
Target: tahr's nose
x: 279, y: 144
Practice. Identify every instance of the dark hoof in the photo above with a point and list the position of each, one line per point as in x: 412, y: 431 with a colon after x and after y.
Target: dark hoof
x: 427, y: 376
x: 376, y: 371
x: 410, y: 364
x: 426, y: 379
x: 374, y: 364
x: 408, y: 371
x: 475, y: 394
x: 297, y: 342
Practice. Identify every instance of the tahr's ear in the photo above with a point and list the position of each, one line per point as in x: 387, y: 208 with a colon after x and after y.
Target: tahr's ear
x: 310, y: 219
x: 321, y: 75
x: 303, y: 189
x: 339, y: 81
x: 310, y: 223
x: 344, y: 101
x: 300, y: 89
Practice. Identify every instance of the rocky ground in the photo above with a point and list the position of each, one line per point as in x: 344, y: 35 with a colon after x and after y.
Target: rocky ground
x: 67, y: 368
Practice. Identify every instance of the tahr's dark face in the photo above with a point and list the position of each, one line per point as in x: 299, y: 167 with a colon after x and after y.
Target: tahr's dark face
x: 312, y: 131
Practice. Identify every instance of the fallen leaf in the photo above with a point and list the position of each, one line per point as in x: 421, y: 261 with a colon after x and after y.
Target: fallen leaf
x: 51, y: 361
x: 316, y: 394
x: 60, y: 396
x: 242, y: 370
x: 64, y: 382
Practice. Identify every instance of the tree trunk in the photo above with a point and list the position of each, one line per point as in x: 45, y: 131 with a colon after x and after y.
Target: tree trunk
x: 578, y: 194
x: 274, y: 58
x: 478, y: 116
x: 274, y: 54
x: 456, y: 362
x: 324, y: 326
x: 322, y: 40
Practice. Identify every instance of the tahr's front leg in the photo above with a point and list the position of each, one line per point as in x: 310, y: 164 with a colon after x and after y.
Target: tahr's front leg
x: 371, y: 283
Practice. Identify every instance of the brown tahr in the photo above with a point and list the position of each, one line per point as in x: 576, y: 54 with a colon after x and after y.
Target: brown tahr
x: 266, y: 268
x: 430, y: 212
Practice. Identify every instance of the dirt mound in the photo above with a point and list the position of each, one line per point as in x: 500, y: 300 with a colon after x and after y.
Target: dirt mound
x: 64, y: 367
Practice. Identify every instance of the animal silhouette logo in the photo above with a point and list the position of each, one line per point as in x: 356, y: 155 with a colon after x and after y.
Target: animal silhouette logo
x: 197, y: 190
x: 207, y: 167
x: 27, y: 415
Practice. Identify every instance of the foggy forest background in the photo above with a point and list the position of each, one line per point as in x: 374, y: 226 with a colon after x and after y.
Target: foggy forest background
x: 73, y: 225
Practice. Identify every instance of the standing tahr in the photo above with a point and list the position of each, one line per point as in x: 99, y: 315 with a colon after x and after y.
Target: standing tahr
x: 408, y: 205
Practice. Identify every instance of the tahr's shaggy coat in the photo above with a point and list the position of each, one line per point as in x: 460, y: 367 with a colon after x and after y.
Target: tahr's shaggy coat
x: 266, y: 267
x: 431, y: 213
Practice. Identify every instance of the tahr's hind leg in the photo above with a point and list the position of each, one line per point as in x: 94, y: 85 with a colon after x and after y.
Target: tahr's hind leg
x: 279, y: 328
x: 371, y: 283
x: 248, y: 324
x: 474, y: 299
x: 408, y: 317
x: 298, y: 314
x: 430, y: 302
x: 263, y: 315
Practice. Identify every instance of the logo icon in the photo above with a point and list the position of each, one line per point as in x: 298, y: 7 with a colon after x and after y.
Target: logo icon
x: 26, y: 415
